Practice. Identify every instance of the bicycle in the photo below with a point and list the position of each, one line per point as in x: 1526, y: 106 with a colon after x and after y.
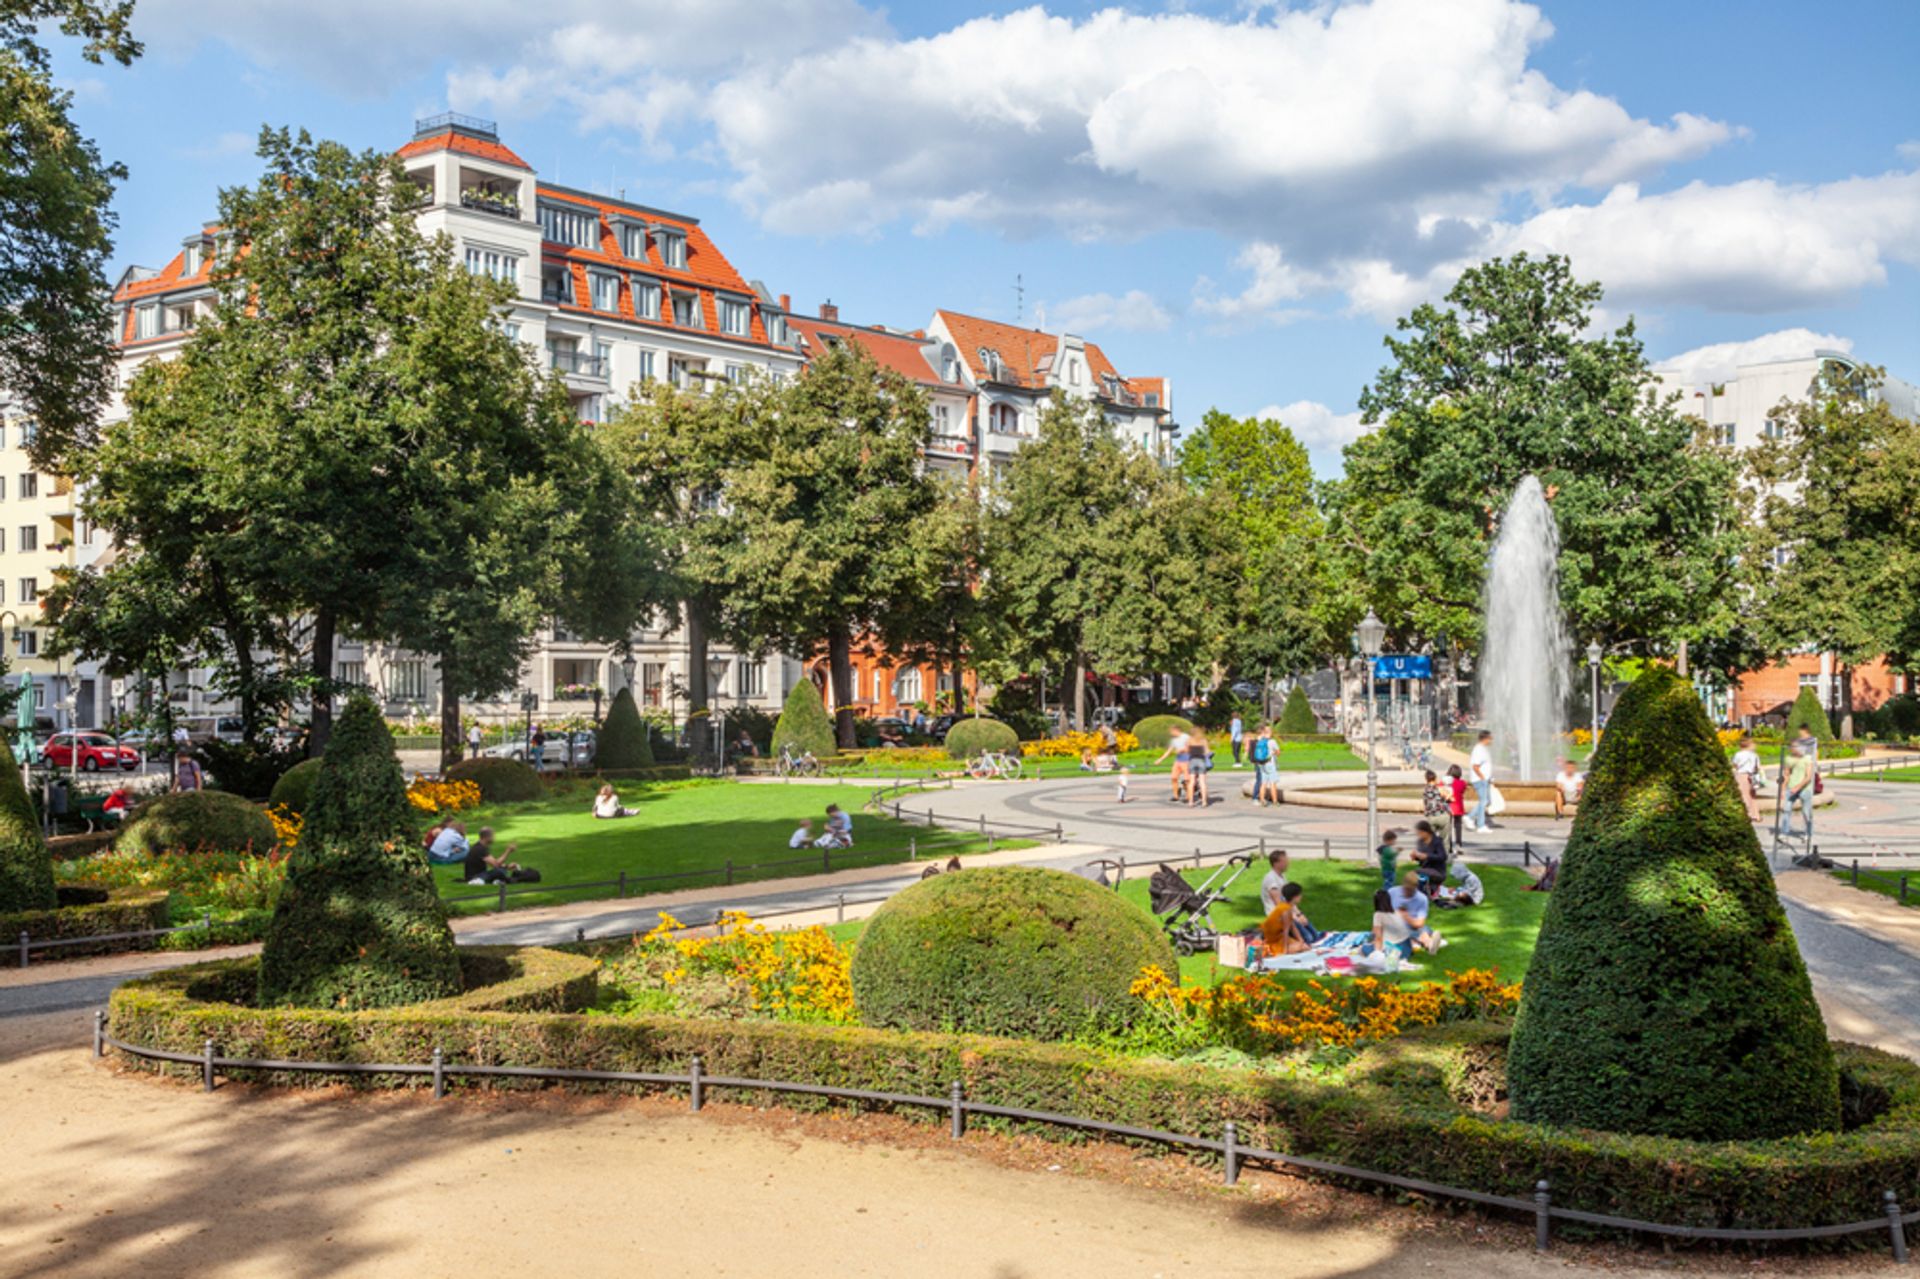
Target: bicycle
x: 804, y: 764
x: 1001, y: 764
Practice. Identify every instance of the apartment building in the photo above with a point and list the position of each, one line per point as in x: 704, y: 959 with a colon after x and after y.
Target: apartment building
x: 39, y: 534
x: 1737, y: 404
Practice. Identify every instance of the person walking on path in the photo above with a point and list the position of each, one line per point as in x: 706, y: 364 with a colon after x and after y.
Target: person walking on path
x: 1796, y: 788
x: 1266, y: 768
x: 1236, y: 733
x: 474, y: 738
x: 187, y: 774
x: 1746, y: 775
x: 1456, y: 800
x: 1179, y: 744
x: 1480, y: 773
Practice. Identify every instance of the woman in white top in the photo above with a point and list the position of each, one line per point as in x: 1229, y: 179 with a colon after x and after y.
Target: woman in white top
x: 1746, y: 774
x: 607, y: 804
x: 1390, y: 931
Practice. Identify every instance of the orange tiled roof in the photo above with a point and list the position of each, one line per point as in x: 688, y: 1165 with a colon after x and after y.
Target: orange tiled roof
x: 169, y: 278
x: 1020, y: 349
x: 903, y: 355
x: 463, y: 144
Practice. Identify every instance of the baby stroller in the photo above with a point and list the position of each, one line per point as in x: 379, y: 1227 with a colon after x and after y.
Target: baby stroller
x: 1184, y: 909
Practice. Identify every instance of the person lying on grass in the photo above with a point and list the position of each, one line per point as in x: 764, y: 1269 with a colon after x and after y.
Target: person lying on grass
x: 607, y: 804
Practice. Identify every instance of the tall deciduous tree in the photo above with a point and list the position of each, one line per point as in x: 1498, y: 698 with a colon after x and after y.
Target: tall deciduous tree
x: 56, y: 344
x: 1840, y: 484
x: 1508, y: 380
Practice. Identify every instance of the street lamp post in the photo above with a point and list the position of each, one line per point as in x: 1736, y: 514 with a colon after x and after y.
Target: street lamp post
x: 1594, y: 653
x: 1371, y: 633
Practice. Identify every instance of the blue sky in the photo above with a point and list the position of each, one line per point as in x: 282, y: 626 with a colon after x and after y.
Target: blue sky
x: 1239, y: 196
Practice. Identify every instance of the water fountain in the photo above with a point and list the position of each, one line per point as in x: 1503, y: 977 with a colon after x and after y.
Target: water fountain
x: 1523, y: 667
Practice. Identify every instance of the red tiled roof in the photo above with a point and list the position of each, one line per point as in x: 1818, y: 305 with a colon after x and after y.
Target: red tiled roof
x: 903, y: 355
x: 1020, y: 349
x: 168, y: 279
x: 464, y: 144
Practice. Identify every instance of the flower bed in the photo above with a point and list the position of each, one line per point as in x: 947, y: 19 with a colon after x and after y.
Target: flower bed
x: 1073, y: 745
x: 236, y: 890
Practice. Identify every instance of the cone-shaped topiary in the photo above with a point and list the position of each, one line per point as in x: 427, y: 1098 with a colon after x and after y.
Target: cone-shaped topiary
x: 1296, y: 717
x: 1807, y: 711
x: 1667, y: 996
x: 26, y: 868
x: 804, y: 723
x: 359, y: 924
x: 624, y: 740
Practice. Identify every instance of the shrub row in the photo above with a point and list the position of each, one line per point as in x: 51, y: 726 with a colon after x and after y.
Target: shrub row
x: 1406, y: 1107
x: 657, y: 773
x: 88, y: 912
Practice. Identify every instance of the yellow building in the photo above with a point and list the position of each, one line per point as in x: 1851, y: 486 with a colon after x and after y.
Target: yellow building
x: 39, y: 533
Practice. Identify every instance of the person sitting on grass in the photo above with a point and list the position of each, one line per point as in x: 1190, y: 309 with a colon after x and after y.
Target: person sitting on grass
x: 1390, y: 931
x: 1280, y: 932
x: 482, y: 867
x: 607, y: 804
x: 1086, y: 759
x: 1411, y: 905
x: 1275, y: 881
x: 839, y: 831
x: 1429, y: 855
x: 1567, y: 785
x: 449, y: 846
x: 1470, y: 893
x: 802, y: 834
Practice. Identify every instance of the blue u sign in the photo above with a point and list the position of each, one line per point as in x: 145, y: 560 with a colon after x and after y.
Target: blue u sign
x: 1403, y: 666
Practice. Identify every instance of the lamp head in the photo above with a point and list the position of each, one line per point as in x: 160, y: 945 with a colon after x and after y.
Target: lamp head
x: 1370, y: 634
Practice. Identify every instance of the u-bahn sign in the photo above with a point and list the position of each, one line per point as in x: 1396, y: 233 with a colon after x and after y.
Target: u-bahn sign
x: 1403, y: 666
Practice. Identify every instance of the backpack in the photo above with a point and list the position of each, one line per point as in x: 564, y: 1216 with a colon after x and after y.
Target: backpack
x: 525, y: 875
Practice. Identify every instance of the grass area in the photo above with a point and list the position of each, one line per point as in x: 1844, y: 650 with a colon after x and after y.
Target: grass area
x: 687, y: 827
x: 1888, y: 887
x: 1294, y: 757
x: 1908, y: 775
x: 1497, y: 934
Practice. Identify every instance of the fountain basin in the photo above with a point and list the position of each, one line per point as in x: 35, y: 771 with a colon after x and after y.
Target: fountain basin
x: 1405, y: 792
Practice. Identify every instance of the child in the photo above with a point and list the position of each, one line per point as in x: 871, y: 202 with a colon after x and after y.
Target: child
x: 1456, y: 800
x: 802, y: 835
x: 1432, y: 802
x: 1086, y: 760
x: 839, y: 831
x: 1125, y: 773
x: 1388, y: 856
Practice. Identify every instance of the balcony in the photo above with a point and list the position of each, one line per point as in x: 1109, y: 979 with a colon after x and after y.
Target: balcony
x: 498, y: 203
x: 563, y: 360
x: 950, y: 445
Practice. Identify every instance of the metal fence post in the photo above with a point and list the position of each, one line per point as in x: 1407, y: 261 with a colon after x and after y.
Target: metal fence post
x: 580, y: 933
x: 1894, y: 1227
x: 729, y: 872
x: 206, y: 1066
x: 503, y: 896
x: 206, y: 922
x: 621, y: 891
x: 1263, y: 848
x: 840, y: 909
x: 1232, y: 1152
x: 1542, y: 1215
x: 1903, y: 896
x: 826, y: 860
x: 1856, y: 872
x: 960, y: 1113
x: 1526, y: 852
x: 1120, y: 874
x: 693, y: 1082
x: 1326, y: 850
x: 439, y: 1074
x: 989, y: 841
x: 1059, y: 833
x: 23, y: 947
x: 99, y: 1032
x: 983, y: 823
x: 913, y: 848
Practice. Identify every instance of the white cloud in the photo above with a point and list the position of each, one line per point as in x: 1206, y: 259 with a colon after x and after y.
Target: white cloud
x: 232, y: 143
x: 1315, y: 425
x: 1133, y: 311
x: 1908, y: 150
x: 1717, y: 362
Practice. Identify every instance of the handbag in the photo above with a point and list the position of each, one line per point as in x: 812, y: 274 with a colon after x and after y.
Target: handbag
x: 1496, y: 802
x: 1819, y: 783
x: 1232, y: 950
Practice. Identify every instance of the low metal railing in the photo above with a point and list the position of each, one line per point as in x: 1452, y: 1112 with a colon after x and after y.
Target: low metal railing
x: 958, y: 1107
x: 27, y: 944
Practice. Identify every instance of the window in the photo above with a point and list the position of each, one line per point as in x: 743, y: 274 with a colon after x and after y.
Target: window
x: 646, y: 366
x: 29, y: 589
x: 606, y: 291
x: 556, y: 284
x: 407, y: 680
x: 1723, y: 434
x: 736, y: 373
x: 879, y: 685
x: 776, y: 327
x: 749, y: 679
x: 29, y: 537
x: 653, y: 683
x: 191, y: 260
x: 733, y: 317
x: 1153, y: 399
x: 352, y: 674
x: 686, y: 310
x: 633, y: 242
x: 673, y: 249
x: 29, y: 484
x: 591, y: 408
x: 907, y: 687
x: 493, y: 264
x: 146, y: 321
x: 1003, y: 419
x: 646, y: 299
x: 3, y: 539
x: 570, y: 226
x: 1810, y: 680
x: 1782, y: 557
x: 511, y: 329
x: 86, y: 532
x: 1775, y: 429
x: 29, y: 642
x: 943, y: 419
x: 603, y: 358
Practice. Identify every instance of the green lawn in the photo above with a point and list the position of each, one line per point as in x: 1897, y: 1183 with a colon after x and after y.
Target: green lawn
x: 1890, y: 775
x: 1888, y: 887
x: 685, y: 827
x: 1294, y: 757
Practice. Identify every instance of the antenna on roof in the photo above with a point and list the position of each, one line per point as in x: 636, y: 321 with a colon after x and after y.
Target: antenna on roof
x: 1019, y: 298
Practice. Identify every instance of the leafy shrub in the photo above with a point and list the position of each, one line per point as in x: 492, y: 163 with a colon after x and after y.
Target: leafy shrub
x: 1070, y: 745
x: 1297, y: 717
x: 969, y: 737
x: 197, y: 881
x: 1155, y: 730
x: 1222, y: 704
x: 359, y: 923
x: 803, y: 723
x: 1667, y: 995
x: 252, y: 771
x: 1807, y: 713
x: 26, y: 869
x: 82, y: 910
x: 294, y: 790
x: 501, y: 781
x: 199, y: 821
x: 757, y: 724
x: 624, y: 741
x: 1006, y: 950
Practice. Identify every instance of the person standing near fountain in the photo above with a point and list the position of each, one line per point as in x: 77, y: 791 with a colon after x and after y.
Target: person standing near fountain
x: 1480, y: 773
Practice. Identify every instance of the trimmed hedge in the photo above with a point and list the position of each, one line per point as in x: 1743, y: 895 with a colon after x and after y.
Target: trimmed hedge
x: 26, y: 868
x: 1296, y: 717
x: 625, y: 741
x: 198, y: 821
x: 1419, y: 1106
x: 804, y: 723
x: 1667, y: 995
x: 501, y: 781
x: 86, y: 911
x: 295, y: 787
x: 1155, y: 730
x: 1005, y: 950
x: 657, y: 773
x: 969, y: 737
x: 1808, y: 712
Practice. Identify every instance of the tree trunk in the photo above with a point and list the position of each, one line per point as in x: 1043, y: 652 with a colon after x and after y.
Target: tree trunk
x: 840, y: 667
x: 699, y: 726
x: 1079, y: 691
x: 959, y: 668
x: 1846, y: 702
x: 452, y: 748
x: 938, y: 671
x: 322, y: 670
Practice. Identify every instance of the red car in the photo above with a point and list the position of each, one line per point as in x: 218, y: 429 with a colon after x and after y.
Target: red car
x: 96, y: 751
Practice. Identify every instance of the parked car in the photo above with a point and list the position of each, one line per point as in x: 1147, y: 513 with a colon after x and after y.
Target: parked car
x: 94, y: 751
x: 151, y: 741
x: 553, y: 752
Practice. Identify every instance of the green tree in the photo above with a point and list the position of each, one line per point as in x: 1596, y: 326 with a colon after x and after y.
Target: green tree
x: 1296, y: 717
x: 1666, y: 994
x: 56, y: 339
x: 1807, y: 713
x: 359, y: 923
x: 26, y: 868
x: 1508, y: 380
x: 936, y: 617
x: 1839, y: 480
x: 1098, y: 557
x: 803, y: 722
x: 625, y: 741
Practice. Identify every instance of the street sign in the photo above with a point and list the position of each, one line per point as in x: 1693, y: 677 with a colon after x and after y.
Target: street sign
x: 1403, y: 666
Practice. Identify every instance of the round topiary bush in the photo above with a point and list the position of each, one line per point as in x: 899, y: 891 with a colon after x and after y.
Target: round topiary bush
x: 501, y: 781
x: 199, y: 821
x: 1154, y: 730
x: 295, y: 787
x: 624, y: 741
x: 1006, y: 950
x: 1296, y: 717
x: 804, y: 723
x: 1667, y: 996
x: 26, y: 868
x: 969, y: 737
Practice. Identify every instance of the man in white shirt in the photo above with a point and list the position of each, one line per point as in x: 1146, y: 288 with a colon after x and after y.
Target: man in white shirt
x: 1236, y: 733
x: 1275, y: 882
x: 1567, y: 785
x: 1480, y: 773
x: 1746, y: 775
x: 474, y: 738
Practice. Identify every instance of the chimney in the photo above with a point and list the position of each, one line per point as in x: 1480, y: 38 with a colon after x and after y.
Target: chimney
x: 786, y: 303
x: 828, y: 311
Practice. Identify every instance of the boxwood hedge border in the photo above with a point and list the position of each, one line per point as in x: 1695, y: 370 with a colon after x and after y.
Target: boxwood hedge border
x: 122, y: 919
x: 1396, y: 1118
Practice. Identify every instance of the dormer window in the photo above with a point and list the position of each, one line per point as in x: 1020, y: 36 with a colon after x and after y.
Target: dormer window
x: 673, y: 247
x: 776, y: 327
x: 734, y: 317
x: 574, y: 227
x: 686, y: 310
x: 146, y: 321
x: 194, y: 259
x: 606, y: 291
x: 646, y: 299
x: 1153, y: 399
x: 556, y: 284
x: 633, y: 242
